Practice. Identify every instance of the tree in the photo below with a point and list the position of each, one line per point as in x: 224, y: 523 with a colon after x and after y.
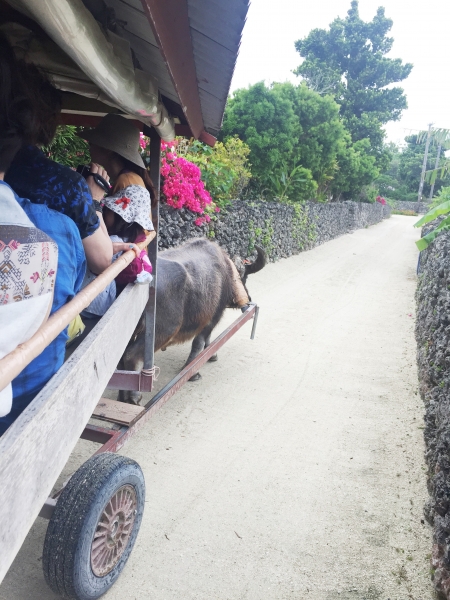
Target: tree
x: 400, y: 181
x: 265, y: 120
x: 349, y: 60
x: 320, y: 129
x: 67, y: 148
x: 313, y: 158
x: 356, y: 170
x: 410, y: 165
x: 302, y: 139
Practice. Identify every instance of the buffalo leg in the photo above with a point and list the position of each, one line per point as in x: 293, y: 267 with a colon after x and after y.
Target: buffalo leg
x: 132, y: 361
x: 214, y: 357
x: 199, y: 343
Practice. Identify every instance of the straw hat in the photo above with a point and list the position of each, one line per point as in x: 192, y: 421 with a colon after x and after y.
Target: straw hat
x: 117, y: 134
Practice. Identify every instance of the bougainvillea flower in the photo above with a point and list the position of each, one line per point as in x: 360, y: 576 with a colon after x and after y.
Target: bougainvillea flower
x: 182, y: 185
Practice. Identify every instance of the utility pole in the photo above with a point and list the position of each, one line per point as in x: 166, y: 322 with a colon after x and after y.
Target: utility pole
x: 435, y: 168
x: 424, y: 166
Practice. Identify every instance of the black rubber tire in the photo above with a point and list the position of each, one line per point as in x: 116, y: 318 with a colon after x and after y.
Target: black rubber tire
x: 67, y: 548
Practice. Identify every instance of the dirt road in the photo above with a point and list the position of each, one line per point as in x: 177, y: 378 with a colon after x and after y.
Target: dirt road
x: 294, y: 468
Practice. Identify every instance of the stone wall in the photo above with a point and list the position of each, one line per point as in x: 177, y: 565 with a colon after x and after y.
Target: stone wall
x: 419, y: 207
x: 433, y: 357
x: 281, y: 229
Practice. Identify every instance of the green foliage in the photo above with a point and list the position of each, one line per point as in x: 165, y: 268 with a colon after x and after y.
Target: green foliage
x: 442, y: 196
x: 410, y: 165
x: 368, y: 194
x: 304, y: 232
x: 320, y: 129
x: 262, y: 236
x: 266, y: 122
x: 406, y: 213
x: 443, y: 208
x: 400, y: 181
x: 67, y: 148
x: 294, y: 184
x: 357, y: 170
x: 349, y: 61
x: 312, y: 156
x: 442, y: 171
x: 225, y: 167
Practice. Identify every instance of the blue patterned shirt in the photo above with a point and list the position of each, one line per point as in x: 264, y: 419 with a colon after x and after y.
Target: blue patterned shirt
x: 69, y: 277
x: 43, y: 181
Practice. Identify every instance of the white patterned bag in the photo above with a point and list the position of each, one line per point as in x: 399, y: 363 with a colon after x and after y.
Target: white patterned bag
x: 28, y: 264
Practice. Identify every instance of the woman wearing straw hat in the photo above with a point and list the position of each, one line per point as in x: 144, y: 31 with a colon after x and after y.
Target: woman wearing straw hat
x: 114, y: 144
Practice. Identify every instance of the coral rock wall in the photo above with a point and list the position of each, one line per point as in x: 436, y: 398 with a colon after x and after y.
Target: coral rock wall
x: 419, y: 207
x: 433, y: 357
x: 281, y: 229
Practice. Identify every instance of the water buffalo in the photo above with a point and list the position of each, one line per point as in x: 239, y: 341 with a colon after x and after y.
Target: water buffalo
x: 194, y: 287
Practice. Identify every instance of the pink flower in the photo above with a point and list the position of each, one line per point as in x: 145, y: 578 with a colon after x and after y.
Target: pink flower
x: 182, y: 185
x: 35, y: 277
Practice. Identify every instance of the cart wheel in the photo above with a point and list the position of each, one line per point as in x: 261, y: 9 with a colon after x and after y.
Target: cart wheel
x: 94, y: 527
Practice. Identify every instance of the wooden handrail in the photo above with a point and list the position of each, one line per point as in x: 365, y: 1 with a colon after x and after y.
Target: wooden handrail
x: 14, y: 362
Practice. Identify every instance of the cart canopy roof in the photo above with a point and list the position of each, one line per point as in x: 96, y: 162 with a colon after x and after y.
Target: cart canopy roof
x: 168, y: 64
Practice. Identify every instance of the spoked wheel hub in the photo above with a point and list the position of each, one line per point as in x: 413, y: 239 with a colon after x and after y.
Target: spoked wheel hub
x: 113, y: 530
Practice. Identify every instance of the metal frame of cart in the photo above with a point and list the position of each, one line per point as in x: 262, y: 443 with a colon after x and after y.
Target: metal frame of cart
x: 190, y: 101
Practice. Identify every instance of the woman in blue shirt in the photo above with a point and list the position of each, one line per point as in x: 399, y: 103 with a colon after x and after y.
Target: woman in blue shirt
x: 17, y: 123
x: 43, y: 181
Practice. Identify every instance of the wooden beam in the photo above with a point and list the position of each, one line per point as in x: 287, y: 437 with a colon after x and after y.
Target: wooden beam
x: 114, y: 411
x: 14, y: 362
x: 205, y: 137
x: 34, y: 450
x: 170, y: 24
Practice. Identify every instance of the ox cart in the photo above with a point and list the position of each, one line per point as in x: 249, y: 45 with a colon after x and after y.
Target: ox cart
x: 104, y: 56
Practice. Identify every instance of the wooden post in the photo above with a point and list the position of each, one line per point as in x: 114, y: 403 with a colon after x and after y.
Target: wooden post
x: 424, y: 165
x: 150, y: 309
x: 435, y: 168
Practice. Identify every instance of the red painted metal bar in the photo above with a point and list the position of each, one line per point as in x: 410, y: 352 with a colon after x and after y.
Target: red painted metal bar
x: 114, y: 439
x: 99, y: 435
x: 115, y: 443
x: 131, y: 380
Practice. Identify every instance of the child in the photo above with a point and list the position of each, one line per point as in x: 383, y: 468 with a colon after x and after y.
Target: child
x: 127, y: 218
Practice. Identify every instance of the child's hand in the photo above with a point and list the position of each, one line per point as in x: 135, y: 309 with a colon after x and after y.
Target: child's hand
x: 124, y: 247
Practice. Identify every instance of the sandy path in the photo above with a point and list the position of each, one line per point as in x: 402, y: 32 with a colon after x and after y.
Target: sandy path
x: 294, y: 469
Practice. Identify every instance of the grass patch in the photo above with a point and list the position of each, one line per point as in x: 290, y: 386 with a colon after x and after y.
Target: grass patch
x: 406, y: 213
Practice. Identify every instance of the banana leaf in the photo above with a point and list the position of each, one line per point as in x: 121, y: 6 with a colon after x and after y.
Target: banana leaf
x: 424, y: 242
x: 434, y: 213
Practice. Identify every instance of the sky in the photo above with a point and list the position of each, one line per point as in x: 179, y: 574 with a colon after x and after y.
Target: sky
x: 421, y: 32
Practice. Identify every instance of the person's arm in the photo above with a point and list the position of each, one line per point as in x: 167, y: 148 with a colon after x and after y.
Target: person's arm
x: 98, y: 247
